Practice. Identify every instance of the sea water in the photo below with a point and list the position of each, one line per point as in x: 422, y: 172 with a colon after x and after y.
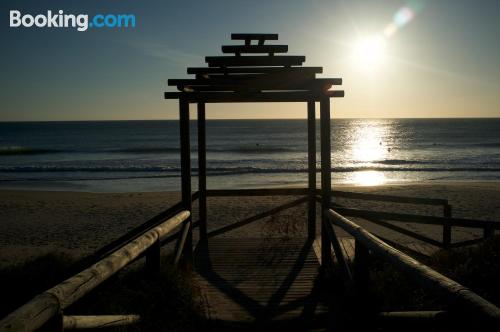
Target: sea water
x: 121, y: 156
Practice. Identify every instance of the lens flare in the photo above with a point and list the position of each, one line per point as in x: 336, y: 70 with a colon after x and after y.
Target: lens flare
x: 402, y: 17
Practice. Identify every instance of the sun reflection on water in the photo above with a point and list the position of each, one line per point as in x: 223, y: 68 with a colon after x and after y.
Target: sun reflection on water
x: 369, y: 145
x: 368, y: 178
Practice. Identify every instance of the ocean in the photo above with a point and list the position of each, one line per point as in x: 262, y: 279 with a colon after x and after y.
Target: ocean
x: 131, y: 156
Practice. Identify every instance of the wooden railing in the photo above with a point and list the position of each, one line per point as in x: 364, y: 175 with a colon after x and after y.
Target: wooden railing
x: 380, y: 218
x: 367, y: 244
x: 48, y: 306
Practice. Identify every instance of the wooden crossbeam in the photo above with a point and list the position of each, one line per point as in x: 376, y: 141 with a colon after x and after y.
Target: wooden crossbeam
x: 96, y: 322
x: 238, y: 49
x: 258, y: 97
x: 235, y: 61
x: 230, y: 84
x: 254, y: 36
x: 256, y: 76
x: 268, y: 80
x: 254, y: 70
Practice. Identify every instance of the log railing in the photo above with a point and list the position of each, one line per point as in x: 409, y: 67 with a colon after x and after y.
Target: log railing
x: 380, y: 217
x: 48, y: 305
x: 367, y: 244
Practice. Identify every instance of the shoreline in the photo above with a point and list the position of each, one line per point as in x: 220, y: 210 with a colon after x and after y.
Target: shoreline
x: 28, y: 187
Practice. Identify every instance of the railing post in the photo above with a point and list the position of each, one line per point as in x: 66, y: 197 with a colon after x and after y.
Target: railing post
x: 488, y: 232
x: 446, y: 226
x: 326, y: 182
x: 361, y: 269
x: 54, y: 324
x: 186, y: 172
x: 202, y: 171
x: 311, y: 149
x: 153, y: 259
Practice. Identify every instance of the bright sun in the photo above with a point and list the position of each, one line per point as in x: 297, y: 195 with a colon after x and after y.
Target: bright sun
x: 369, y: 51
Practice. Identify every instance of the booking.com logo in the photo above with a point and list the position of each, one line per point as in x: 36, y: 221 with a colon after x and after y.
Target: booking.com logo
x: 61, y: 20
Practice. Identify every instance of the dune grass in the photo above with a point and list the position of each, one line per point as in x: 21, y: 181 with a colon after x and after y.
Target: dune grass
x: 476, y: 267
x: 166, y: 302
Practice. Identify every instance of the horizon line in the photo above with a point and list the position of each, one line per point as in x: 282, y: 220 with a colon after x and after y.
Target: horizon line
x: 259, y: 119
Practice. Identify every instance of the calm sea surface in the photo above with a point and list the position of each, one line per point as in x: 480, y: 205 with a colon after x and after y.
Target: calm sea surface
x: 120, y: 156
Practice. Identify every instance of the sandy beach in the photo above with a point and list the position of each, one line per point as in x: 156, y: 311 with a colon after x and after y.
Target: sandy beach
x: 36, y: 222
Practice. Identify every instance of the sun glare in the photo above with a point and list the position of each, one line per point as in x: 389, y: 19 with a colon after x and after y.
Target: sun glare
x: 369, y: 51
x: 368, y: 178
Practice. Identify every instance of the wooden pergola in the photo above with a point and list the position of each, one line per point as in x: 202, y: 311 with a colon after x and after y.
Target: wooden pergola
x: 253, y: 72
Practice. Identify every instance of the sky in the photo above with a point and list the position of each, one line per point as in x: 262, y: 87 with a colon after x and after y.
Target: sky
x: 397, y: 59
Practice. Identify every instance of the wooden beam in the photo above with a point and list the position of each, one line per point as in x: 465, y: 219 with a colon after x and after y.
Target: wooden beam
x: 418, y: 219
x: 263, y: 82
x: 96, y: 322
x: 427, y: 277
x: 389, y: 198
x: 238, y: 61
x: 181, y: 242
x: 254, y: 70
x: 131, y: 235
x: 257, y: 192
x: 153, y: 259
x: 202, y: 171
x: 333, y: 241
x: 405, y: 231
x: 446, y: 225
x: 186, y: 172
x: 254, y: 36
x: 361, y: 270
x: 238, y: 49
x: 311, y: 161
x: 258, y: 97
x: 326, y: 181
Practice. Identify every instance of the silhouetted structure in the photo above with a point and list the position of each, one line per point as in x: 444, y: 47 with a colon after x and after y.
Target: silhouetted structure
x: 241, y: 77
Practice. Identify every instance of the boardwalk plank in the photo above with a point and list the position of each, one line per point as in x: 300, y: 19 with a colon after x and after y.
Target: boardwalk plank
x: 259, y: 281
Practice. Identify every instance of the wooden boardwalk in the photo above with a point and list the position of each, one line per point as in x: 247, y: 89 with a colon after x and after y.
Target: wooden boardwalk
x: 258, y: 281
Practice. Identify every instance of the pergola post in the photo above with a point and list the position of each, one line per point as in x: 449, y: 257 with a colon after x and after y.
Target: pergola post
x: 326, y: 181
x: 202, y: 172
x: 311, y: 149
x: 186, y: 173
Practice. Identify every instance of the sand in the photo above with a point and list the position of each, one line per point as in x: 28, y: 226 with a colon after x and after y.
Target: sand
x: 35, y: 222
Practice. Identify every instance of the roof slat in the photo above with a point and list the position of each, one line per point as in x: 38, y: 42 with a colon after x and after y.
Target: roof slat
x: 257, y: 97
x: 238, y: 49
x: 254, y: 36
x: 254, y: 70
x: 230, y: 84
x: 236, y: 61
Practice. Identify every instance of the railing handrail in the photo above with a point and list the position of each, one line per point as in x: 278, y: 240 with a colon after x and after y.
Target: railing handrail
x: 257, y: 192
x: 423, y: 274
x: 134, y: 233
x: 389, y: 198
x: 41, y: 308
x: 420, y: 219
x: 335, y: 193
